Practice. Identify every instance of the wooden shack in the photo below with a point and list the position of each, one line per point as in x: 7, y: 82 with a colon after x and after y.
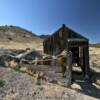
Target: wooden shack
x: 67, y: 39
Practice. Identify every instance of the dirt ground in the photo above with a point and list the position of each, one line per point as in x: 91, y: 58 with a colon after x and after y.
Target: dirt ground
x: 20, y: 86
x: 15, y: 45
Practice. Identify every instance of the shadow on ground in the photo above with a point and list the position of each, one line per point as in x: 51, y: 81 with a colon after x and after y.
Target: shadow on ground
x: 90, y: 89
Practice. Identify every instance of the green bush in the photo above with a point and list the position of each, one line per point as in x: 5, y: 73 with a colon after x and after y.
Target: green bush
x: 2, y: 83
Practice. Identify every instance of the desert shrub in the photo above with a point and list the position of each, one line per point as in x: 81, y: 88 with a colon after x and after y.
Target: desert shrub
x: 16, y: 68
x: 13, y: 64
x: 2, y: 83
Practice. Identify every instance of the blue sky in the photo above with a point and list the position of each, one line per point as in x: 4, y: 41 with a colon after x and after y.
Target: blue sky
x: 46, y: 16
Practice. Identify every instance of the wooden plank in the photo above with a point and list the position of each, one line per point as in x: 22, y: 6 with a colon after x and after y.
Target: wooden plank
x: 86, y: 58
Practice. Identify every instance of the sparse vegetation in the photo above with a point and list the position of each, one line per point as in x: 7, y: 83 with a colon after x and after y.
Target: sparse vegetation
x: 2, y: 83
x: 95, y: 45
x: 14, y: 65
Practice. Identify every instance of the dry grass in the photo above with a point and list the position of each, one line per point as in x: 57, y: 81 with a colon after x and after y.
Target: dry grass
x: 15, y: 45
x: 39, y: 75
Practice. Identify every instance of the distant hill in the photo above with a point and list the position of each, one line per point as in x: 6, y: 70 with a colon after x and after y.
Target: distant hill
x: 44, y: 36
x: 17, y: 37
x: 97, y: 45
x: 16, y: 34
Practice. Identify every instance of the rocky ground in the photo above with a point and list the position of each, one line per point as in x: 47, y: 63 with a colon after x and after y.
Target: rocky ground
x: 15, y: 85
x: 14, y: 37
x: 20, y: 86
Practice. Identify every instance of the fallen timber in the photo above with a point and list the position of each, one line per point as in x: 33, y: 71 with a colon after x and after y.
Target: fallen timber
x: 52, y: 71
x: 18, y: 56
x: 15, y: 60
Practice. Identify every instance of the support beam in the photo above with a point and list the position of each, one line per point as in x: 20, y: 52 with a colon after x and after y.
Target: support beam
x: 82, y: 57
x: 69, y: 68
x: 86, y: 61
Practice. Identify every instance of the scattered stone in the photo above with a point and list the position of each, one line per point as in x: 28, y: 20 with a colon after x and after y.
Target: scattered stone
x: 98, y: 82
x: 76, y: 87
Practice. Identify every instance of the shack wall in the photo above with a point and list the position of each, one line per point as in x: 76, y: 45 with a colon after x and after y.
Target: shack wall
x: 57, y: 42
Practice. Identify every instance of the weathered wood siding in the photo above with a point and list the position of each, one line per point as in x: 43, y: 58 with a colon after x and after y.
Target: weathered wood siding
x: 67, y: 39
x: 57, y: 42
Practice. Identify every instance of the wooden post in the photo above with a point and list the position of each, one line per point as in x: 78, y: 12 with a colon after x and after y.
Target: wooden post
x: 81, y: 57
x: 69, y: 68
x: 86, y: 61
x: 36, y: 61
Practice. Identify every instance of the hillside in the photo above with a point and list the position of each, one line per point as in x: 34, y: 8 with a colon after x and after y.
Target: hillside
x: 97, y: 45
x: 13, y: 37
x: 44, y: 36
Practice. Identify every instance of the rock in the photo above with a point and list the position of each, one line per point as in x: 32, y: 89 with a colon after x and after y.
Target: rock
x: 98, y: 82
x: 76, y: 87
